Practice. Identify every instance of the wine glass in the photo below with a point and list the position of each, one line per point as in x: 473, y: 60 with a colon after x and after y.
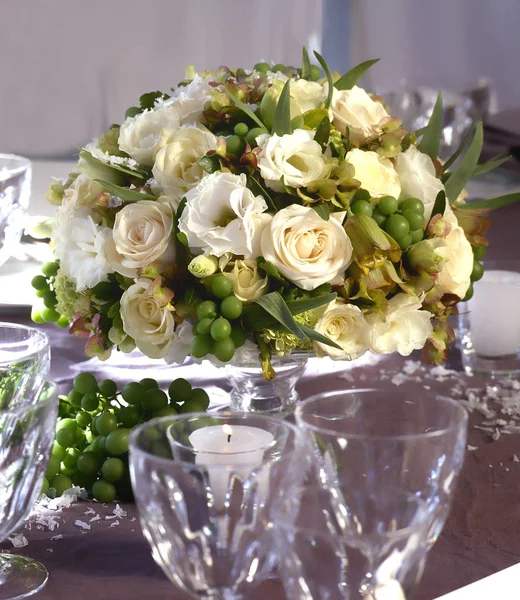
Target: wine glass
x: 24, y: 349
x: 27, y: 425
x: 389, y: 461
x: 207, y: 488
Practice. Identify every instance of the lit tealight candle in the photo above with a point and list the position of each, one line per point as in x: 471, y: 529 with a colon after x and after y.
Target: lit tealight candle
x: 229, y: 446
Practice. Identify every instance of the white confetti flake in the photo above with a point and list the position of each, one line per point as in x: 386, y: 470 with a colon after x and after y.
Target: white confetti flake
x: 49, y: 550
x: 119, y: 512
x: 81, y: 524
x: 18, y: 540
x: 56, y: 537
x: 515, y: 458
x: 114, y: 523
x: 95, y: 518
x: 90, y: 511
x: 472, y: 448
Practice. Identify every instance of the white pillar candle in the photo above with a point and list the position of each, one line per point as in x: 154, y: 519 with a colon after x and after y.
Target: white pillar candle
x: 494, y: 314
x: 228, y: 447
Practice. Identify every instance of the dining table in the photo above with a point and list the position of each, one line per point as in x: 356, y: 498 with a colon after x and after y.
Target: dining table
x: 95, y: 550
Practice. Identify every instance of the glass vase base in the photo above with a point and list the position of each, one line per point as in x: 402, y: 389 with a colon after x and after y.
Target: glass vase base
x: 251, y: 392
x: 20, y: 576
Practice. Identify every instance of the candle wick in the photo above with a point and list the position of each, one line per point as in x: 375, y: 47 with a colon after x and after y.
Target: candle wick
x: 229, y: 438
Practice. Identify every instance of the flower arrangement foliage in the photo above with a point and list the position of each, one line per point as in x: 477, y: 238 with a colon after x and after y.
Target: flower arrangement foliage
x: 274, y: 209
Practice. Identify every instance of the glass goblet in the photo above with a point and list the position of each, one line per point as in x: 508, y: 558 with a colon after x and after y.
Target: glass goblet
x: 390, y: 461
x: 24, y: 349
x: 207, y: 488
x: 27, y: 426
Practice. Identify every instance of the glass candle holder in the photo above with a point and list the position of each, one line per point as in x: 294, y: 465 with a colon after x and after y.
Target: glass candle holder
x: 207, y: 488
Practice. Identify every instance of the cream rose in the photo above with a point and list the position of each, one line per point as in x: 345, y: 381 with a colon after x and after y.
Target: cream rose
x: 142, y: 234
x: 376, y: 174
x: 455, y: 276
x: 403, y: 328
x: 346, y: 325
x: 418, y: 180
x: 148, y: 318
x: 355, y: 110
x: 248, y: 283
x: 176, y: 169
x: 222, y: 215
x: 296, y: 157
x: 139, y: 135
x: 305, y: 248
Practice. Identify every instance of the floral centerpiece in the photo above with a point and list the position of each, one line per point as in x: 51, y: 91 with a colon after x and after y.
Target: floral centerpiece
x: 276, y: 209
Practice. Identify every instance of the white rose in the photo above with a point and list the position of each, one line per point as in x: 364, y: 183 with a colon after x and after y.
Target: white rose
x: 147, y: 318
x: 306, y: 95
x: 376, y: 174
x: 180, y: 347
x: 403, y: 328
x: 305, y: 248
x: 455, y: 276
x: 139, y: 135
x: 296, y: 156
x: 176, y: 169
x: 418, y: 180
x: 346, y: 325
x: 187, y: 102
x: 354, y: 109
x: 142, y: 234
x: 221, y: 215
x: 248, y: 283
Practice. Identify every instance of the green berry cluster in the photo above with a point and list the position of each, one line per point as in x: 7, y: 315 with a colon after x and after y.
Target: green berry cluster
x: 45, y: 289
x: 478, y: 269
x: 214, y: 331
x: 91, y: 445
x: 263, y: 67
x: 402, y: 221
x: 236, y: 143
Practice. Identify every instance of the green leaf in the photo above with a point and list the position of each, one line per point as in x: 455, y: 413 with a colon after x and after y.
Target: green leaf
x: 431, y: 139
x: 180, y: 209
x: 318, y: 337
x: 323, y: 133
x: 492, y: 203
x: 464, y: 142
x: 190, y: 297
x: 183, y: 238
x: 275, y: 305
x: 210, y: 164
x: 325, y: 67
x: 270, y: 269
x: 312, y: 118
x: 258, y: 189
x: 298, y: 306
x: 491, y: 164
x: 125, y: 194
x: 349, y: 80
x: 95, y: 168
x: 464, y: 171
x: 265, y: 359
x: 147, y: 101
x: 245, y: 109
x: 306, y: 64
x: 282, y: 115
x: 323, y: 209
x: 133, y: 111
x: 115, y: 310
x: 439, y: 206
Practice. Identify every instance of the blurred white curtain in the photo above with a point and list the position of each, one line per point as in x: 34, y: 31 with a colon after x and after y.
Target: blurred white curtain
x: 70, y: 69
x: 442, y: 43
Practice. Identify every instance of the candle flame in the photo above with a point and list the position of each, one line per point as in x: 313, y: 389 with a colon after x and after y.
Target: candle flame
x: 228, y: 430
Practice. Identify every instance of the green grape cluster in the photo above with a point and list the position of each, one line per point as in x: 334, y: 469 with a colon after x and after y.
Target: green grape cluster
x: 214, y: 331
x: 236, y: 143
x: 478, y: 269
x: 402, y: 221
x: 44, y: 286
x: 91, y: 445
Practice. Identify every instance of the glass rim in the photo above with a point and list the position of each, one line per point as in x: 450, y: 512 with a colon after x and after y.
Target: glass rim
x: 44, y: 339
x: 432, y: 397
x: 25, y: 407
x: 25, y: 163
x: 136, y: 431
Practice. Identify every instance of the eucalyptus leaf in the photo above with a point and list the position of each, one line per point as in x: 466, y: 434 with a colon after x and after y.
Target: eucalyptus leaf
x: 491, y: 164
x: 323, y: 133
x: 275, y: 305
x: 323, y: 209
x: 318, y: 337
x: 431, y: 139
x: 306, y: 64
x: 245, y: 109
x: 492, y: 203
x: 304, y: 304
x: 125, y: 194
x: 462, y: 146
x: 282, y: 116
x: 349, y: 80
x: 461, y: 175
x: 210, y: 164
x: 325, y: 67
